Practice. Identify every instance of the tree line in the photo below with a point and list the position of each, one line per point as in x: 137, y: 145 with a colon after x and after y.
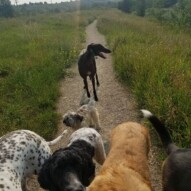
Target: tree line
x: 8, y: 10
x: 141, y: 6
x: 176, y: 12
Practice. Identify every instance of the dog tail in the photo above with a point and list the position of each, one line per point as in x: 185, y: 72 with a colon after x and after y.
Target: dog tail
x: 82, y: 51
x: 55, y: 141
x: 161, y: 130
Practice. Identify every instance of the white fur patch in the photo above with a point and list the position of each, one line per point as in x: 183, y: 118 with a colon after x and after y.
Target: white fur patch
x: 146, y: 113
x: 87, y: 134
x: 92, y: 137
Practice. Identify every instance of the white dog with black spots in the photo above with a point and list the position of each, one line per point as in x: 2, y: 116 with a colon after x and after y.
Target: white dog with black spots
x: 22, y: 154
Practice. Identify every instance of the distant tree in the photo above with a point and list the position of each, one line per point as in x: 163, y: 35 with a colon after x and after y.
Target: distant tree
x: 169, y: 3
x: 6, y: 9
x: 125, y: 5
x: 158, y: 3
x: 183, y: 9
x: 140, y: 7
x: 149, y: 3
x: 161, y: 3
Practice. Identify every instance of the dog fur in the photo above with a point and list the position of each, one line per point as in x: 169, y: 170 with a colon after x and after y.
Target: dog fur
x: 87, y: 65
x: 176, y: 170
x: 22, y: 154
x: 72, y: 168
x: 126, y: 166
x: 84, y: 99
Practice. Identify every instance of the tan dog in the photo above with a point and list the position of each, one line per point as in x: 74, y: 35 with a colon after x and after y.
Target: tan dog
x: 126, y: 166
x: 88, y: 111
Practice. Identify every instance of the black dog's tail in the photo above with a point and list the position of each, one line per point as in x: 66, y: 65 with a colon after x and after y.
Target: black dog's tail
x: 161, y: 130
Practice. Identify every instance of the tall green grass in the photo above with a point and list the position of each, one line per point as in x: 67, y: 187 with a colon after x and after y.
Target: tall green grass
x: 35, y: 52
x: 155, y: 62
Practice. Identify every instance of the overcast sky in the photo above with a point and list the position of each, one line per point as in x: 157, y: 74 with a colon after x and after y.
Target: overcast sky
x: 35, y: 1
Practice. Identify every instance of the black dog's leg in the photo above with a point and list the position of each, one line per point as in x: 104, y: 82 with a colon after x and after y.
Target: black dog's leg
x: 97, y: 80
x: 94, y: 90
x: 86, y: 86
x: 94, y: 64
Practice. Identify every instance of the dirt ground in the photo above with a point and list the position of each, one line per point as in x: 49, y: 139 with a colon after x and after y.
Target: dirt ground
x: 116, y: 104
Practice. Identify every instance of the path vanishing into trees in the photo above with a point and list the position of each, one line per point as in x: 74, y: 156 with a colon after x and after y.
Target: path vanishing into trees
x: 116, y: 103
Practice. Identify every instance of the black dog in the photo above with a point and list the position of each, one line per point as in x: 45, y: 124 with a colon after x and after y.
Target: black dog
x: 177, y: 166
x: 87, y: 65
x: 69, y: 169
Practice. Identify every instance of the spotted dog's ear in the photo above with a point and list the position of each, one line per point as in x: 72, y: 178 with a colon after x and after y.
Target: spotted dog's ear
x: 79, y: 117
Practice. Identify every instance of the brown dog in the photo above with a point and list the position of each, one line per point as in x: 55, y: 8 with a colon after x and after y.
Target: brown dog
x: 126, y: 167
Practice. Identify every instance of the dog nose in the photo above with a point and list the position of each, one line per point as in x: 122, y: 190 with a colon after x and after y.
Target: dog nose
x: 81, y: 188
x: 76, y: 188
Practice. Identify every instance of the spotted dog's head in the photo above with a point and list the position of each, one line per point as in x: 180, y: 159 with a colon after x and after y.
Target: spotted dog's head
x: 69, y: 169
x: 73, y: 119
x: 98, y: 50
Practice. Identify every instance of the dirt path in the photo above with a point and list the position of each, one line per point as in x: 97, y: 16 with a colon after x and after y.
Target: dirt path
x: 116, y: 104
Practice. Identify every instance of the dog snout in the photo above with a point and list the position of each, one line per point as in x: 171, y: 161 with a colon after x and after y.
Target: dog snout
x: 106, y: 50
x: 81, y: 188
x: 76, y: 188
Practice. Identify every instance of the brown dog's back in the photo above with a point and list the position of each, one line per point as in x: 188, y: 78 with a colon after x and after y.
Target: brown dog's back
x: 126, y: 167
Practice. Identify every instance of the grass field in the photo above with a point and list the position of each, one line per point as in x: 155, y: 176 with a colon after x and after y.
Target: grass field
x: 155, y: 62
x: 35, y: 52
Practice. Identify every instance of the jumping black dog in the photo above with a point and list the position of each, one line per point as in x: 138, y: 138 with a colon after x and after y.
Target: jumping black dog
x: 87, y: 65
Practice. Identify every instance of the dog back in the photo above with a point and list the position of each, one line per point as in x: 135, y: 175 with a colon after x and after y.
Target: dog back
x: 126, y: 167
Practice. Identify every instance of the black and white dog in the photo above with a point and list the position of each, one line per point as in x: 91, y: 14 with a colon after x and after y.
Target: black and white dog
x: 72, y: 168
x: 22, y: 154
x: 177, y: 166
x: 87, y: 65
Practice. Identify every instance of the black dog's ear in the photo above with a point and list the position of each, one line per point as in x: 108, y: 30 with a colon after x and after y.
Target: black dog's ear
x: 90, y: 46
x: 98, y: 50
x: 44, y: 178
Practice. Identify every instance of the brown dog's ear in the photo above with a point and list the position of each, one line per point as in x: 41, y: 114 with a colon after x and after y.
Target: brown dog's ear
x: 79, y: 117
